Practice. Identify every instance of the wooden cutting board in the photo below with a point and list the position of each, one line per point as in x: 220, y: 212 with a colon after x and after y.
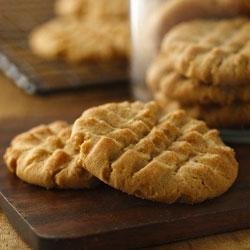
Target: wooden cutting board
x: 106, y: 218
x: 36, y: 75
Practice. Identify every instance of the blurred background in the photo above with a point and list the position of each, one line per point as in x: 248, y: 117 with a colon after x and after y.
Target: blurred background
x: 59, y: 57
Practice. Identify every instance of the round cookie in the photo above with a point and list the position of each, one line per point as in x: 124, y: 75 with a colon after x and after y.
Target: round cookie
x: 101, y: 9
x: 106, y: 9
x: 192, y: 91
x: 132, y: 147
x: 235, y: 115
x: 213, y: 51
x: 77, y: 41
x: 156, y: 71
x: 175, y: 11
x: 174, y: 86
x: 45, y: 156
x: 76, y: 8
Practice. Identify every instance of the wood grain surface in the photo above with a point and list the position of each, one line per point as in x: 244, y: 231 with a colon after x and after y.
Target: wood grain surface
x: 36, y: 75
x: 15, y: 104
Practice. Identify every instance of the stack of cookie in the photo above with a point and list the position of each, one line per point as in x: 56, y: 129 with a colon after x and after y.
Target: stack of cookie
x: 204, y: 67
x: 132, y: 147
x: 83, y: 31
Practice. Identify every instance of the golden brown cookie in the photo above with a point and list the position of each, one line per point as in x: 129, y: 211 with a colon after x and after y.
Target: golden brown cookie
x: 109, y: 9
x: 77, y: 41
x: 173, y: 12
x: 213, y: 51
x: 192, y: 91
x: 77, y: 8
x: 156, y: 71
x: 46, y: 157
x: 235, y: 115
x: 188, y: 91
x: 133, y: 148
x: 101, y: 9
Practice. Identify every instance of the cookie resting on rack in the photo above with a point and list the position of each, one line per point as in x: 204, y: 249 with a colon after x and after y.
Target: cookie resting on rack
x: 75, y: 41
x: 101, y: 9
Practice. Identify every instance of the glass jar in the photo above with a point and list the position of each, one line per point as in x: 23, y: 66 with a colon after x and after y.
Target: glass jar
x: 143, y: 44
x: 153, y: 22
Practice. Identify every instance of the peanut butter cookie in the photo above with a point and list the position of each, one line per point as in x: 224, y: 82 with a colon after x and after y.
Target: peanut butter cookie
x: 46, y: 157
x: 173, y: 85
x: 76, y: 41
x: 235, y: 115
x: 76, y: 8
x: 132, y: 147
x: 101, y: 9
x: 175, y: 11
x: 213, y: 51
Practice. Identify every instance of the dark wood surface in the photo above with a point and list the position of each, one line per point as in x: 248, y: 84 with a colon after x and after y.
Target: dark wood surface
x: 106, y: 218
x: 35, y: 75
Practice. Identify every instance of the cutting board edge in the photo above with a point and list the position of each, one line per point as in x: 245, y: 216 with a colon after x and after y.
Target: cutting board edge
x: 21, y: 226
x: 104, y: 240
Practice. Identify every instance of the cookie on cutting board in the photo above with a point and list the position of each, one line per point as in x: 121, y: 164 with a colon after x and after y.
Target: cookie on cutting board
x: 45, y: 156
x: 134, y: 148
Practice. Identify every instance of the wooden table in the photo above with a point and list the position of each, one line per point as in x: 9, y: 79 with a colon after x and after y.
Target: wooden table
x: 15, y: 103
